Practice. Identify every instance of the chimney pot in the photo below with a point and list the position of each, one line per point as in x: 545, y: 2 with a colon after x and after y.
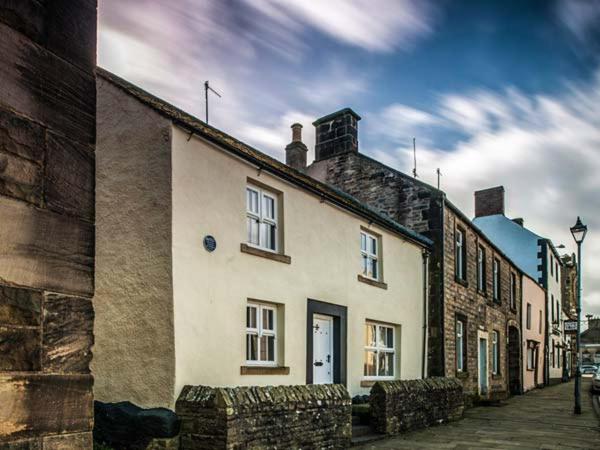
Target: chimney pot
x: 296, y: 132
x: 489, y: 202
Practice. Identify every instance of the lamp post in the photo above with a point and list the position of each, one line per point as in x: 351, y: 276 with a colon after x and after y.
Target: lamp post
x: 578, y: 231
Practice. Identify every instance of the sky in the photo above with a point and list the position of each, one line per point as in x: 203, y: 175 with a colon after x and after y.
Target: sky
x: 495, y: 92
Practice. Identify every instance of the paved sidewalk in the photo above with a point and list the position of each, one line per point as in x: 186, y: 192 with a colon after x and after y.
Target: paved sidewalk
x: 541, y: 419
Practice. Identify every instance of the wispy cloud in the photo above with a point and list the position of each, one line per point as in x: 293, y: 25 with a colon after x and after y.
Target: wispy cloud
x: 544, y: 149
x: 380, y: 25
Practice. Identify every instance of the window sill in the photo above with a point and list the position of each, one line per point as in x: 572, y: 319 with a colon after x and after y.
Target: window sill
x: 496, y: 376
x: 530, y: 370
x: 462, y: 282
x: 245, y: 248
x: 264, y: 370
x: 367, y: 383
x: 375, y: 283
x: 462, y: 374
x: 482, y: 293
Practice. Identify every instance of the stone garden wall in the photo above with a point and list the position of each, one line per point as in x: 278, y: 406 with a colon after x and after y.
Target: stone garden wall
x: 399, y: 406
x: 280, y: 417
x: 47, y: 143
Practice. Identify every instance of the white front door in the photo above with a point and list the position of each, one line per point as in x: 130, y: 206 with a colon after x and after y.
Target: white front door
x: 322, y: 349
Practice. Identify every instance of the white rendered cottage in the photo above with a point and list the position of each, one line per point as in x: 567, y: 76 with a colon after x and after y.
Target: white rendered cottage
x: 218, y: 265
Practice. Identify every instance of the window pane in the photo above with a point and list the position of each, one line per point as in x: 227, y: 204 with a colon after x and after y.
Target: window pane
x: 365, y: 268
x: 373, y: 245
x: 268, y: 207
x: 252, y: 225
x: 369, y: 267
x: 252, y: 201
x: 371, y: 333
x: 386, y: 364
x: 370, y: 368
x: 251, y: 317
x: 251, y: 347
x: 386, y: 337
x: 363, y: 242
x: 390, y: 337
x: 374, y: 269
x: 267, y: 348
x: 267, y: 236
x: 268, y: 322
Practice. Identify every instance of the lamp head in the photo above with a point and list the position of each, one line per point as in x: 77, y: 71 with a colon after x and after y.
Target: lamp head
x: 579, y: 231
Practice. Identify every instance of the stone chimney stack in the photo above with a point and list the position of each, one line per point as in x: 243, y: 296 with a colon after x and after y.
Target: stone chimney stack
x: 489, y: 202
x: 295, y: 151
x: 336, y: 133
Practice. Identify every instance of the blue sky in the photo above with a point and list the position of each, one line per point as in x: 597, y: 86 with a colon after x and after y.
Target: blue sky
x: 495, y: 92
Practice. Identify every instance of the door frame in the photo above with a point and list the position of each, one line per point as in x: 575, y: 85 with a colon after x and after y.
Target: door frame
x: 339, y: 314
x: 484, y: 336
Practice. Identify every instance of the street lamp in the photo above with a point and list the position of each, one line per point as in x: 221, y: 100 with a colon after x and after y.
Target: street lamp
x: 578, y: 231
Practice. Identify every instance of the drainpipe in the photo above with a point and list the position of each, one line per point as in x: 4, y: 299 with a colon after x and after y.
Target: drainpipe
x: 425, y: 312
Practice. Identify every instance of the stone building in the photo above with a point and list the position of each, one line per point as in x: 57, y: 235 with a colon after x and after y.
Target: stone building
x: 569, y: 305
x: 537, y: 257
x: 590, y: 342
x: 474, y: 289
x: 220, y: 266
x: 47, y: 140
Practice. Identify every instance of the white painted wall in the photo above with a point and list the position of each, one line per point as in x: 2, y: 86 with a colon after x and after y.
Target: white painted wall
x: 211, y: 289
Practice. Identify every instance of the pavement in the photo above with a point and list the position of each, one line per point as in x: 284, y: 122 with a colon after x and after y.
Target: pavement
x: 540, y: 419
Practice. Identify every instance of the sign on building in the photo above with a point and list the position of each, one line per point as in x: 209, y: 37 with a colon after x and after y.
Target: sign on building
x: 570, y: 326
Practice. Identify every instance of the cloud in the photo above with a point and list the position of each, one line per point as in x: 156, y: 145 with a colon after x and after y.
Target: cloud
x: 581, y: 17
x: 545, y: 150
x: 382, y: 25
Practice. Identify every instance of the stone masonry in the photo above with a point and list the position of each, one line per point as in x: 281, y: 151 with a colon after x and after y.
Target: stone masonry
x: 47, y: 142
x: 426, y: 210
x: 406, y: 405
x: 266, y: 418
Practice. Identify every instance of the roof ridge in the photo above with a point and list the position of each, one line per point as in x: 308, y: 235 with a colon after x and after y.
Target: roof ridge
x: 280, y: 169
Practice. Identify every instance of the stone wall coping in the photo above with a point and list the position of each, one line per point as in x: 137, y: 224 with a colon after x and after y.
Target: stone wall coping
x: 254, y: 396
x: 427, y: 384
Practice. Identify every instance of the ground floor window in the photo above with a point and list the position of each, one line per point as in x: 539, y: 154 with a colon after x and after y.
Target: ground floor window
x: 531, y: 358
x: 261, y: 333
x: 461, y: 354
x: 495, y: 353
x: 380, y: 351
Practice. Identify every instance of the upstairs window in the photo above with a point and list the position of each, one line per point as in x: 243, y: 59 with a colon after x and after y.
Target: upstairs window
x: 369, y: 252
x: 556, y: 270
x: 261, y: 332
x: 551, y: 265
x: 261, y: 218
x: 513, y: 291
x: 481, y: 275
x: 461, y: 255
x: 528, y: 316
x: 540, y: 323
x: 380, y: 351
x: 552, y: 306
x: 496, y: 280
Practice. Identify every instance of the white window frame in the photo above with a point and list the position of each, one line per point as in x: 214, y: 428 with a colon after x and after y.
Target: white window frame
x: 496, y: 279
x: 460, y: 242
x: 460, y: 335
x: 531, y: 359
x: 259, y: 331
x: 480, y: 266
x: 495, y: 352
x: 260, y: 217
x: 380, y: 349
x: 373, y: 257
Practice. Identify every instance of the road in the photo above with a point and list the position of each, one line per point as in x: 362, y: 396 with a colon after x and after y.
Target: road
x: 541, y: 419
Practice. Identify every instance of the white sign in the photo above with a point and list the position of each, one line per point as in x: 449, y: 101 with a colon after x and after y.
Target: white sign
x: 570, y: 325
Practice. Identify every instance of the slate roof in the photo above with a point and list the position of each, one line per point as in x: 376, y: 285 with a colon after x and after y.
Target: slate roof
x: 265, y: 162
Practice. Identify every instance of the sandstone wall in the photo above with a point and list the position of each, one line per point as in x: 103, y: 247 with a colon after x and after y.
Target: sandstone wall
x: 400, y: 406
x: 47, y: 139
x: 290, y: 417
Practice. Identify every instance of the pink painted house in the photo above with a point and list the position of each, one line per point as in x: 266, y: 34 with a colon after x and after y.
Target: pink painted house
x: 534, y: 329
